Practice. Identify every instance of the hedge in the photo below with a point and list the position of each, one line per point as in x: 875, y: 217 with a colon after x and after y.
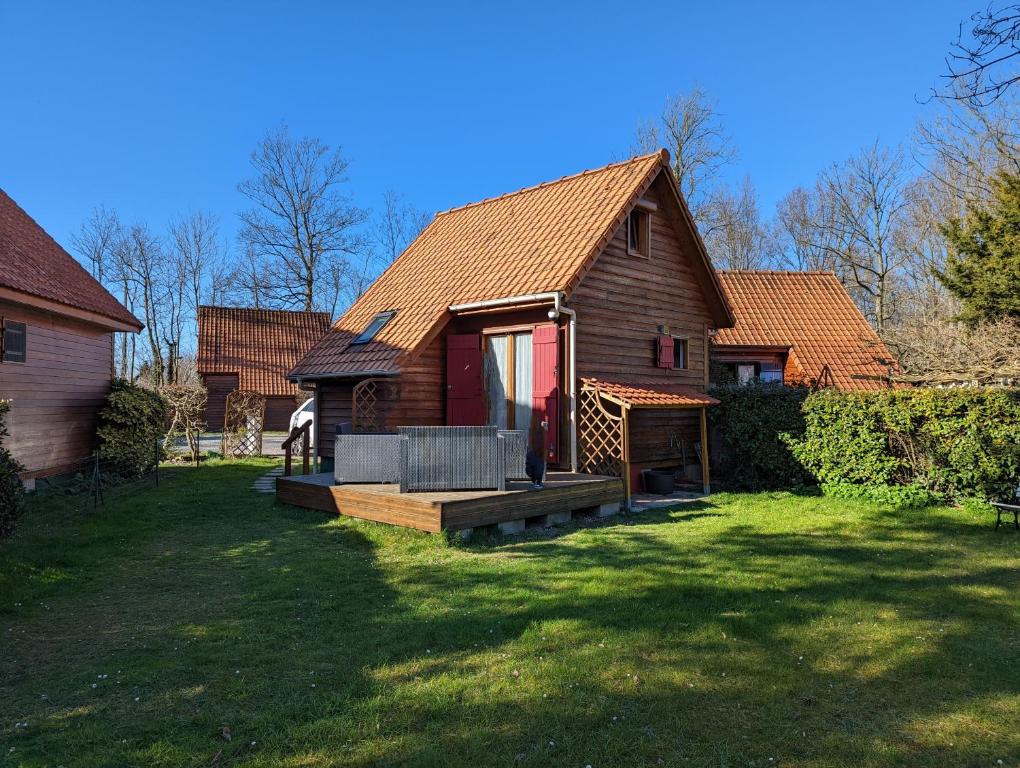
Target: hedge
x: 955, y: 443
x: 131, y: 424
x: 748, y: 425
x: 12, y: 492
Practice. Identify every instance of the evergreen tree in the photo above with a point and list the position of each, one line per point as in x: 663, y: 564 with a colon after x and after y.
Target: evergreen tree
x: 983, y: 267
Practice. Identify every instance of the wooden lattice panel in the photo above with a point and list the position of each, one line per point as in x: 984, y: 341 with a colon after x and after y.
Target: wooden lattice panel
x: 372, y: 400
x: 242, y: 427
x: 600, y: 438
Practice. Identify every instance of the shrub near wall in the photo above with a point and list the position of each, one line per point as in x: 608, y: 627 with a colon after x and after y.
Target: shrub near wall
x: 130, y: 426
x: 748, y: 426
x: 12, y: 492
x: 952, y: 442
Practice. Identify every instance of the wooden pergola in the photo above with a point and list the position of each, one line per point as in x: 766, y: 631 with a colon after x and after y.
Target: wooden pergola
x: 604, y: 412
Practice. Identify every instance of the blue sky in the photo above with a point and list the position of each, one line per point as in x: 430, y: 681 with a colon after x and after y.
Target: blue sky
x: 153, y: 108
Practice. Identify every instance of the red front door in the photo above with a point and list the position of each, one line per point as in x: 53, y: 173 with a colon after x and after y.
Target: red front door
x: 545, y: 386
x: 465, y: 395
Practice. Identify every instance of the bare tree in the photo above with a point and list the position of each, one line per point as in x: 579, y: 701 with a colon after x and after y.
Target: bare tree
x: 932, y: 350
x: 96, y: 239
x: 863, y: 206
x: 963, y: 146
x: 739, y: 238
x: 100, y: 242
x: 299, y: 225
x: 196, y: 247
x: 982, y: 63
x: 396, y: 225
x: 690, y: 128
x: 801, y: 243
x: 139, y: 260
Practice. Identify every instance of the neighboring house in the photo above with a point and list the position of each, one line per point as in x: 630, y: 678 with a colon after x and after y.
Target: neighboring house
x: 797, y: 327
x: 253, y: 349
x: 56, y: 356
x: 586, y: 302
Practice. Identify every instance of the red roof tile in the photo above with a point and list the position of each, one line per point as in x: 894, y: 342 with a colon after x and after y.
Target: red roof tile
x: 653, y: 394
x: 536, y: 240
x: 32, y: 262
x: 812, y: 313
x: 260, y: 345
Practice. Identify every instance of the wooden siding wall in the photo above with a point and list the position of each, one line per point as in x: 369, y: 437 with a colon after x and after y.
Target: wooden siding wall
x: 620, y: 304
x: 218, y: 386
x: 334, y: 403
x: 57, y: 392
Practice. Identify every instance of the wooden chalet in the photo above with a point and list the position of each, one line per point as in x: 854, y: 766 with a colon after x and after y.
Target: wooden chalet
x: 797, y: 328
x: 587, y: 301
x: 56, y: 354
x: 254, y: 349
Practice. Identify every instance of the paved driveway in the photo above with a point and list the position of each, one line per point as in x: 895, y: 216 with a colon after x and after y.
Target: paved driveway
x: 210, y: 441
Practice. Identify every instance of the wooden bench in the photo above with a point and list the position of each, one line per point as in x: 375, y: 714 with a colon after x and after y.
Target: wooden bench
x: 1001, y: 507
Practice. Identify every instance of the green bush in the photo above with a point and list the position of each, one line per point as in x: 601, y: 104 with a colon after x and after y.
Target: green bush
x: 12, y: 492
x: 949, y: 442
x: 893, y: 495
x: 130, y: 427
x: 749, y: 424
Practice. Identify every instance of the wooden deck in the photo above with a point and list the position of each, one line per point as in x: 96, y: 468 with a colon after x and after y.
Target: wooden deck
x: 563, y: 493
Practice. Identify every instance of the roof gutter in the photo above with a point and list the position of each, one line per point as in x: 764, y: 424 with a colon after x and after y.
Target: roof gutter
x: 343, y: 375
x: 556, y: 297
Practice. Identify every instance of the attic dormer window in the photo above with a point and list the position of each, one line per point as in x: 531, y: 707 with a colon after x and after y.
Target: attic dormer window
x: 639, y: 233
x: 374, y: 326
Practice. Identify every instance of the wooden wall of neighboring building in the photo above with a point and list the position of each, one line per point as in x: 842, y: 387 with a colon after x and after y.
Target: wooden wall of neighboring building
x: 218, y: 386
x: 278, y: 413
x: 620, y: 305
x: 57, y: 392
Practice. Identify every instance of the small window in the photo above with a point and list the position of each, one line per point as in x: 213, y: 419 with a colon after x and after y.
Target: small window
x: 639, y: 233
x: 14, y: 342
x: 679, y: 353
x: 771, y: 373
x: 374, y: 327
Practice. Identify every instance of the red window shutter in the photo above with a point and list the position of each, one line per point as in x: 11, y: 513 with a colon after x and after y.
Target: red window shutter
x: 465, y: 394
x: 664, y: 358
x: 545, y: 384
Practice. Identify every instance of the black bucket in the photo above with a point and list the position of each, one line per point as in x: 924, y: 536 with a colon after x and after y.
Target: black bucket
x: 658, y: 481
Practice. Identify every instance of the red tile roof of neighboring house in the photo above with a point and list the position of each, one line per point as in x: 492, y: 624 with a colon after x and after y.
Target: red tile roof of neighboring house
x: 536, y: 240
x: 811, y: 313
x: 260, y: 345
x: 31, y: 262
x: 653, y: 394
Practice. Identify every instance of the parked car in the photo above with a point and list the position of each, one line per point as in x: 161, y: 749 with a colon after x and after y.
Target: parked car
x: 306, y: 413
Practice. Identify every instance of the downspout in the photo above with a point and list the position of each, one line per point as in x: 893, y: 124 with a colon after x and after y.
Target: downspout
x: 556, y: 298
x: 572, y: 385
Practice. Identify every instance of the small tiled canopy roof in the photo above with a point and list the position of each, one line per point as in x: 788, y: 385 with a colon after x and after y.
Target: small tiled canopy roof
x: 813, y: 315
x: 31, y: 262
x: 536, y: 240
x: 260, y: 345
x: 653, y: 394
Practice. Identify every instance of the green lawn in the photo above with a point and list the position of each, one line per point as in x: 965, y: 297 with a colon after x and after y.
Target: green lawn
x: 750, y: 630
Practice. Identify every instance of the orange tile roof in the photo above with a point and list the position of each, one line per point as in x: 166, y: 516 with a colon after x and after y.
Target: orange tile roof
x: 260, y: 345
x: 33, y: 263
x: 536, y: 240
x: 812, y: 313
x: 652, y: 394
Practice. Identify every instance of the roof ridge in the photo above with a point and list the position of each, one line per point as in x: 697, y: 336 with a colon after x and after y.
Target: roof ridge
x: 662, y: 154
x: 265, y: 309
x: 776, y: 272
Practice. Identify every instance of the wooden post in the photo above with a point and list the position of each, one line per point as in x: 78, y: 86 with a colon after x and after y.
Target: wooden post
x: 705, y: 480
x: 625, y: 426
x: 305, y: 450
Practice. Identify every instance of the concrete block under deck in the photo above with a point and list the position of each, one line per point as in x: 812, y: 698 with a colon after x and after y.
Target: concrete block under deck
x: 564, y: 493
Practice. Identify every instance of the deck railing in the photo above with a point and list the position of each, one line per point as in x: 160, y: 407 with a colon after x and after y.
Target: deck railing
x: 288, y: 447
